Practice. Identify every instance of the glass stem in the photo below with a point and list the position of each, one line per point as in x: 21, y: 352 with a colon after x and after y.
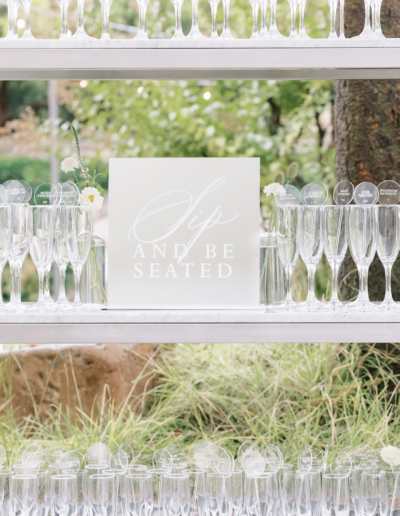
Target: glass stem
x: 47, y: 283
x: 255, y: 20
x: 214, y: 32
x: 142, y: 17
x: 388, y: 283
x: 10, y: 10
x: 194, y: 13
x: 104, y: 15
x: 341, y: 19
x: 1, y: 285
x: 288, y: 277
x: 41, y: 274
x: 61, y: 295
x: 273, y: 14
x: 264, y: 27
x: 64, y: 19
x: 77, y: 274
x: 293, y: 9
x: 17, y: 281
x: 311, y: 299
x: 81, y: 6
x: 27, y: 8
x: 373, y: 15
x: 12, y: 282
x: 378, y: 28
x: 302, y: 8
x: 367, y: 14
x: 335, y: 277
x: 15, y: 15
x: 333, y: 6
x: 225, y: 5
x: 364, y: 285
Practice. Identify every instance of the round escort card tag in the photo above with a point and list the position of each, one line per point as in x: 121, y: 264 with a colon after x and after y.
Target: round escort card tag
x: 28, y: 190
x: 46, y: 195
x: 291, y: 197
x: 69, y: 194
x: 365, y: 194
x: 388, y: 192
x: 3, y: 195
x: 16, y: 192
x: 314, y: 194
x: 343, y: 193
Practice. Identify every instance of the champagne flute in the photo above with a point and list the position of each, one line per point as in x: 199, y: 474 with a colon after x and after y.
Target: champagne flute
x: 6, y: 229
x: 310, y: 244
x: 214, y: 7
x: 335, y: 236
x: 363, y: 240
x: 78, y: 236
x: 142, y: 33
x: 41, y: 241
x: 18, y: 251
x: 61, y: 255
x: 255, y: 4
x: 335, y: 494
x: 178, y: 19
x: 367, y: 32
x: 388, y: 248
x: 287, y: 225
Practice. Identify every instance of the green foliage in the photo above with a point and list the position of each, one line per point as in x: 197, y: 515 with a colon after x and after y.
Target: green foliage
x: 34, y: 171
x: 291, y: 395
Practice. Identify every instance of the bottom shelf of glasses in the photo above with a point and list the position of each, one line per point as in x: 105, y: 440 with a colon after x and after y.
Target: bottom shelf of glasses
x: 165, y: 326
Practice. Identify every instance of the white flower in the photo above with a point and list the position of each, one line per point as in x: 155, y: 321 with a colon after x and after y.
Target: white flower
x: 69, y: 164
x: 274, y: 188
x: 391, y: 455
x: 90, y: 196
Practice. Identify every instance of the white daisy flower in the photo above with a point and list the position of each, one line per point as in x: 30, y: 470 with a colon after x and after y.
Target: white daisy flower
x: 69, y: 164
x: 391, y: 455
x: 90, y: 196
x: 275, y: 189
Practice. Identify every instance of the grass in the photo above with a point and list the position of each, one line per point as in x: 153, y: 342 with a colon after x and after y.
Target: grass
x: 291, y: 395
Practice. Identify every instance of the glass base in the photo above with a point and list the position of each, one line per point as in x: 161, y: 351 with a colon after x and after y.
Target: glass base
x: 81, y: 34
x: 27, y: 35
x: 285, y: 307
x: 303, y: 35
x: 361, y: 306
x: 226, y: 34
x: 178, y: 35
x: 314, y: 306
x: 40, y: 307
x: 142, y: 34
x: 274, y: 33
x: 254, y: 35
x: 11, y: 35
x: 7, y: 307
x: 388, y: 306
x: 367, y: 33
x: 264, y: 34
x: 64, y: 36
x: 336, y: 307
x: 106, y: 36
x: 195, y: 34
x: 333, y: 35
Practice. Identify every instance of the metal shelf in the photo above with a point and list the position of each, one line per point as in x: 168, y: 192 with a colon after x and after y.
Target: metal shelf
x: 163, y: 326
x: 169, y: 59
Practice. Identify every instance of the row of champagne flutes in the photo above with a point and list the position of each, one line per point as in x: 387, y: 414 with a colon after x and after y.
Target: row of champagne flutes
x: 205, y: 481
x: 372, y: 28
x: 311, y: 229
x: 55, y: 230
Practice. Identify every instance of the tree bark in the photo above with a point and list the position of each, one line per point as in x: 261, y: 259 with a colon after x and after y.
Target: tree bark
x: 3, y: 103
x: 367, y: 138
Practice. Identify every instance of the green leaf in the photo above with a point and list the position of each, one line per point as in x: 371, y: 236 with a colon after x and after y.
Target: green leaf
x: 99, y: 188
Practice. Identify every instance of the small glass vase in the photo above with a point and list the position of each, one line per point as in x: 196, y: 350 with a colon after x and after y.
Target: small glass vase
x: 93, y: 279
x: 272, y: 272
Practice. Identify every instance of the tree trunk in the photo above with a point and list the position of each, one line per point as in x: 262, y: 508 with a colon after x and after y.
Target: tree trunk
x: 3, y: 103
x: 367, y: 138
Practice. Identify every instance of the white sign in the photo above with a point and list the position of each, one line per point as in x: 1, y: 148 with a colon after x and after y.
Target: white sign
x: 184, y: 233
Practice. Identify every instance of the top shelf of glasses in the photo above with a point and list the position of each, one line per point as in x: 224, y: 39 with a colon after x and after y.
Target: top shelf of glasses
x: 205, y: 59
